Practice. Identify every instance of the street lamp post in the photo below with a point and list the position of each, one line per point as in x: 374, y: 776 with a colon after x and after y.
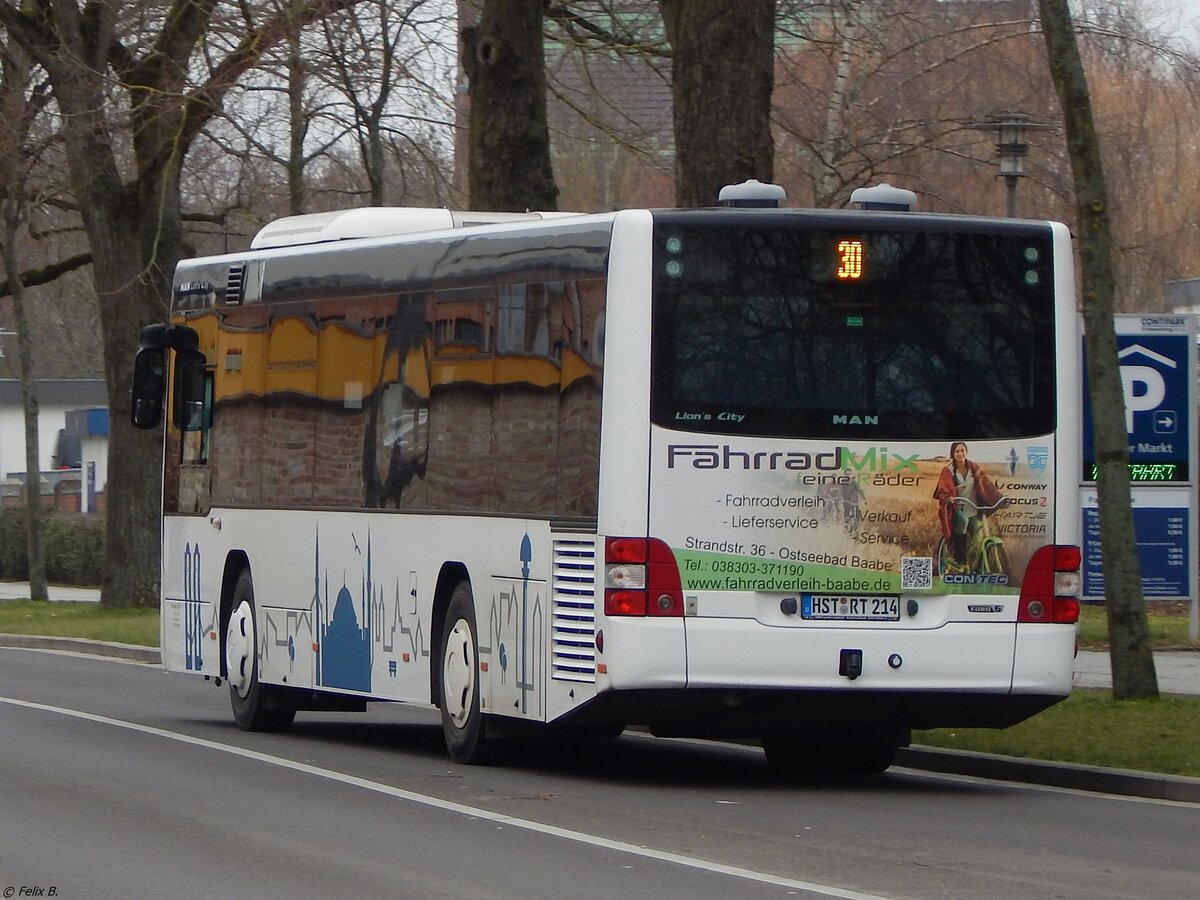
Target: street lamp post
x: 1012, y: 147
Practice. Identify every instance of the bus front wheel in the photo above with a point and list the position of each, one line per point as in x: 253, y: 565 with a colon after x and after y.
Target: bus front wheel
x: 256, y: 706
x: 464, y: 726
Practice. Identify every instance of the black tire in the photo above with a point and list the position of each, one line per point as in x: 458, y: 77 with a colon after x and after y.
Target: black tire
x: 464, y: 726
x: 256, y: 706
x: 806, y: 757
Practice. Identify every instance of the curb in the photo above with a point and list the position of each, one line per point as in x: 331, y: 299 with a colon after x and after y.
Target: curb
x: 132, y: 652
x: 1123, y: 782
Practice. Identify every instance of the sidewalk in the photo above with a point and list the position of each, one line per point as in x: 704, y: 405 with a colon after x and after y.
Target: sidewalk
x: 19, y: 590
x: 1178, y: 671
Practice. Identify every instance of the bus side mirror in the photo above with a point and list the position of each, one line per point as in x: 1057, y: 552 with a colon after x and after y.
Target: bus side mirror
x: 149, y: 384
x: 190, y: 380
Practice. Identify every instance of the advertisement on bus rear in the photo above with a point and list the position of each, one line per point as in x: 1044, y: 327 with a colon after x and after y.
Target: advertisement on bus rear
x: 749, y: 514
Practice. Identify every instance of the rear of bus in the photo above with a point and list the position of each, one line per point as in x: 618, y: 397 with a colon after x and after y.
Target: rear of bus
x: 850, y: 512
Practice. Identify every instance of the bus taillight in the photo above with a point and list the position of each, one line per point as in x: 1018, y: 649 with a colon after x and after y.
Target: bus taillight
x: 1050, y: 591
x: 641, y: 578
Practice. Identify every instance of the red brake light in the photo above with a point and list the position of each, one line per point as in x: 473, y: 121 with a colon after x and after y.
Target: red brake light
x: 624, y: 603
x: 1050, y: 589
x: 641, y: 578
x: 624, y: 549
x: 1067, y: 558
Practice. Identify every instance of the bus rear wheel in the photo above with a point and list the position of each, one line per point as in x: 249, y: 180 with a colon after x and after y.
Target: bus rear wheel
x: 464, y: 727
x: 256, y: 706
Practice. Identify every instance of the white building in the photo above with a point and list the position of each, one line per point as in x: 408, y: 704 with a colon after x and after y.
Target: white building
x: 72, y: 430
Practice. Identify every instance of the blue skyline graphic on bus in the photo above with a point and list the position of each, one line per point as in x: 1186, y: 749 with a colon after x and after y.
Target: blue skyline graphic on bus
x: 344, y: 645
x: 195, y: 629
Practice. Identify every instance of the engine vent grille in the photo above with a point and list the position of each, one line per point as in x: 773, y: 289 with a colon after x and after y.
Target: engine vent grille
x: 235, y: 285
x: 574, y: 610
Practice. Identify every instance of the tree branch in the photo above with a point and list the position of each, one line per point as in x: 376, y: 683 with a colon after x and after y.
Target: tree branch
x: 47, y: 274
x: 203, y: 103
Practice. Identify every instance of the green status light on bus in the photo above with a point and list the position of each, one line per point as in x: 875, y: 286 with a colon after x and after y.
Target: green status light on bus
x: 854, y: 321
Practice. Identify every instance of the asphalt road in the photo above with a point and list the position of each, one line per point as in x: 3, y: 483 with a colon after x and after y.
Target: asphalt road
x: 121, y: 780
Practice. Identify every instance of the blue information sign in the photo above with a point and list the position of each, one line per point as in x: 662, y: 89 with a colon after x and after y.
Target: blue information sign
x: 1162, y: 552
x: 1155, y: 374
x: 1157, y: 354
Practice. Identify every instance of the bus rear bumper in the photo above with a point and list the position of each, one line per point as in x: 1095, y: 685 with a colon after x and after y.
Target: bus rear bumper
x: 746, y: 679
x: 972, y: 657
x: 712, y: 713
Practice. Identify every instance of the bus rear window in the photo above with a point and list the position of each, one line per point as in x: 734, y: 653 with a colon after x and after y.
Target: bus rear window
x: 796, y: 330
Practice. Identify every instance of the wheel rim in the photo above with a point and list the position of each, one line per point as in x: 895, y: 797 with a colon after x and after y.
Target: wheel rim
x: 943, y: 555
x: 239, y: 648
x: 458, y: 674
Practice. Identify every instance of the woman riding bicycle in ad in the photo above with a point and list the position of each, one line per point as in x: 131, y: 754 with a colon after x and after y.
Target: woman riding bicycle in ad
x: 965, y: 494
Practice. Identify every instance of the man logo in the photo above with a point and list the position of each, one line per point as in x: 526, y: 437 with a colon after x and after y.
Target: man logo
x: 855, y: 420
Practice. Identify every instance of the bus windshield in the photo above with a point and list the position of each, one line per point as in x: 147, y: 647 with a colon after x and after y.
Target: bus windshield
x: 802, y: 329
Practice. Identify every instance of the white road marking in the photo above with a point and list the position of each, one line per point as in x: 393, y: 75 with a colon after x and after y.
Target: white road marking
x: 459, y: 808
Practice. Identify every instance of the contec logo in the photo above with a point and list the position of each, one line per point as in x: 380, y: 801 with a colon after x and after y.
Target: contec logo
x: 724, y: 456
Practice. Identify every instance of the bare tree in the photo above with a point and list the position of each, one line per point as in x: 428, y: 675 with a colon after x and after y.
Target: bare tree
x: 127, y: 183
x: 385, y: 62
x: 1129, y: 644
x: 722, y: 79
x: 888, y: 90
x: 609, y: 82
x: 504, y: 58
x: 20, y: 103
x: 276, y: 115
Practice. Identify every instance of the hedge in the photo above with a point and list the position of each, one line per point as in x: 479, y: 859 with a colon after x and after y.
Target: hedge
x: 73, y: 545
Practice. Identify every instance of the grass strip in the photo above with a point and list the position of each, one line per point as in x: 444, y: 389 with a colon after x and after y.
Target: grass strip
x: 1168, y: 631
x: 1090, y: 727
x: 80, y: 620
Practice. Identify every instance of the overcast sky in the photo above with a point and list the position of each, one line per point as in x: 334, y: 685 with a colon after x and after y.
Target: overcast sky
x: 1179, y: 17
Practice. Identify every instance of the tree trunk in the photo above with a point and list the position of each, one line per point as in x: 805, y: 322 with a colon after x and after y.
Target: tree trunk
x: 134, y: 232
x: 297, y: 81
x: 1128, y: 634
x: 38, y: 589
x: 723, y: 72
x: 19, y: 112
x: 509, y: 164
x: 132, y: 294
x: 835, y: 113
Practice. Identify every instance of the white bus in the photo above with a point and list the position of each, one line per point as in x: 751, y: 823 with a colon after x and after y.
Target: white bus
x: 806, y: 476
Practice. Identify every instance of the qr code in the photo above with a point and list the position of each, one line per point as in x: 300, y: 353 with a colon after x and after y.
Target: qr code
x: 916, y: 572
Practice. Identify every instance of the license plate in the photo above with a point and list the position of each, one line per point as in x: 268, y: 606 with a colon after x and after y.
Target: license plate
x: 849, y: 609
